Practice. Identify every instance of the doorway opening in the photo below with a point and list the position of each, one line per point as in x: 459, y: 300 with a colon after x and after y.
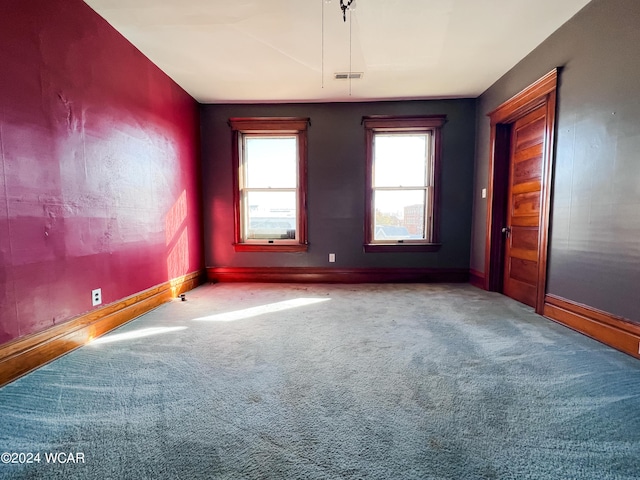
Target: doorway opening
x: 519, y: 192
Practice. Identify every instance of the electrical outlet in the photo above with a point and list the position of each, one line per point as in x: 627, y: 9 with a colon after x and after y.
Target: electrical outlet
x: 96, y: 297
x: 332, y: 257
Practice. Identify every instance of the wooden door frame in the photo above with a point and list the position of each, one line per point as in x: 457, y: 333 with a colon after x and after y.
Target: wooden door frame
x: 540, y: 93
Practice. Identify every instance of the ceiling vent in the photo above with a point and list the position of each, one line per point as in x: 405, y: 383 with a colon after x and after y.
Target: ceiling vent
x: 347, y: 76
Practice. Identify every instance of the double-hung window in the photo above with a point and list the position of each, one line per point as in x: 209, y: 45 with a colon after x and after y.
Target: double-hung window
x: 402, y: 183
x: 270, y: 183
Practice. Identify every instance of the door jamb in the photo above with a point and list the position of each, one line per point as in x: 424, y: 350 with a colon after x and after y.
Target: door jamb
x: 540, y: 93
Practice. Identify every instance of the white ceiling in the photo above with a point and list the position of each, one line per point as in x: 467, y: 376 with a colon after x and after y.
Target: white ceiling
x: 227, y: 51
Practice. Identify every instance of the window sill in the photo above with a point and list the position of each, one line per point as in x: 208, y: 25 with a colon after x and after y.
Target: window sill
x: 264, y: 247
x: 401, y: 247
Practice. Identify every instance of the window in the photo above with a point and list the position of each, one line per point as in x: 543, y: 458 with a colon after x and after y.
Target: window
x: 270, y: 183
x: 402, y: 183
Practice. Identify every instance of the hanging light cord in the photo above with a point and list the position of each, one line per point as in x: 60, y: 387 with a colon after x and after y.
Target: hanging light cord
x: 322, y: 49
x: 350, y: 49
x: 344, y: 7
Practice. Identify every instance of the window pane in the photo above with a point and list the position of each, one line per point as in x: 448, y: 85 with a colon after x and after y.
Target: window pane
x: 399, y: 215
x: 270, y: 215
x: 270, y: 162
x: 400, y: 160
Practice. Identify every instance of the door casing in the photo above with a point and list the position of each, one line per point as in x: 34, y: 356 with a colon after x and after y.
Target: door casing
x: 540, y: 93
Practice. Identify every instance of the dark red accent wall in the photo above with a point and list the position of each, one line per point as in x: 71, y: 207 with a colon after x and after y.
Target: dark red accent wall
x: 594, y: 253
x: 99, y: 179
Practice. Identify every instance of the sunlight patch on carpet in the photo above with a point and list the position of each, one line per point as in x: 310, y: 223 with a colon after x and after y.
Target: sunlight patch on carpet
x: 143, y: 332
x: 260, y: 310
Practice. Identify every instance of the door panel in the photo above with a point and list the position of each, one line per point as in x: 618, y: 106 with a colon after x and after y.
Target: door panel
x: 525, y: 239
x: 523, y: 212
x: 528, y: 168
x: 525, y: 204
x: 524, y: 270
x: 529, y: 134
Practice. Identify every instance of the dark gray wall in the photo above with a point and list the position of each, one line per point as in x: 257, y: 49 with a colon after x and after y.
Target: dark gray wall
x: 595, y: 232
x: 336, y: 185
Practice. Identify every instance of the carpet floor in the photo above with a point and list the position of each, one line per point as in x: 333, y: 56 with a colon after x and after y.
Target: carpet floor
x: 282, y: 381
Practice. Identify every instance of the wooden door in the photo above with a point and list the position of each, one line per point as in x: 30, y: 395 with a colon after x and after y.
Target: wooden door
x: 522, y: 228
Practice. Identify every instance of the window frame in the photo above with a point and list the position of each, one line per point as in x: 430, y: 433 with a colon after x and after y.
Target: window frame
x: 383, y: 124
x: 270, y: 126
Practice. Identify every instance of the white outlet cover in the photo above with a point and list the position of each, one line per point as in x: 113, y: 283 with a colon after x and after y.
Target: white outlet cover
x: 96, y: 297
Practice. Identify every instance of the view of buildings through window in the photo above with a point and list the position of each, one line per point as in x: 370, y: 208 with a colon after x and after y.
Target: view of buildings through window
x: 269, y: 192
x: 401, y: 181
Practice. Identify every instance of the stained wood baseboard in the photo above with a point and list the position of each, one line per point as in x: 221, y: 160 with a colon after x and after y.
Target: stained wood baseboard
x: 617, y: 332
x: 476, y: 279
x: 23, y: 355
x: 336, y: 275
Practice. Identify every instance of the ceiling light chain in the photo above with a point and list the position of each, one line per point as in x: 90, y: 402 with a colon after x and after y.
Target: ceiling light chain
x: 344, y: 6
